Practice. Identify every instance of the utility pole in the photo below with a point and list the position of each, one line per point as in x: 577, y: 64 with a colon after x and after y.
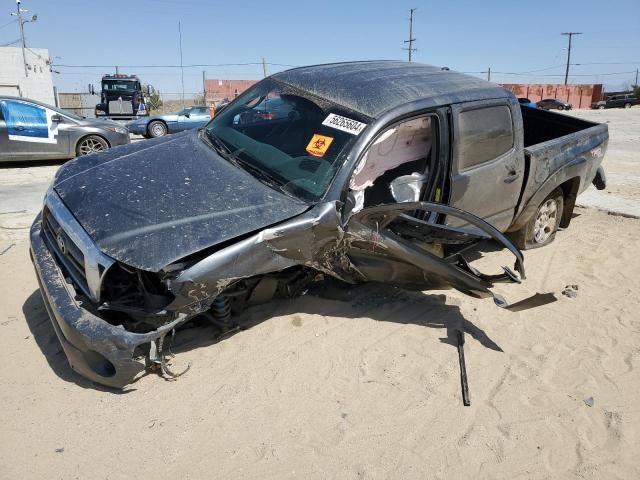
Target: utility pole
x: 181, y: 67
x: 411, y: 39
x: 636, y: 84
x: 204, y: 88
x: 18, y: 14
x: 264, y: 67
x: 489, y: 74
x: 117, y: 70
x: 569, y: 34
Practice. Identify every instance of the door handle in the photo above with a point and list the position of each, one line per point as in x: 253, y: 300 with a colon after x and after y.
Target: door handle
x: 19, y: 128
x: 511, y: 177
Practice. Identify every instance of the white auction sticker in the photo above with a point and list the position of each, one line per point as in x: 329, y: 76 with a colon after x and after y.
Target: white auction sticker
x: 343, y: 123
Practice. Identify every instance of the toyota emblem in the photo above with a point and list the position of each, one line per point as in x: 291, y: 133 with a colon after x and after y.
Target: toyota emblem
x: 61, y: 245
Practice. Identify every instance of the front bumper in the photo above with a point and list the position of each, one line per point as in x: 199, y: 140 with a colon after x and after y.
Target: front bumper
x: 116, y: 139
x: 97, y: 350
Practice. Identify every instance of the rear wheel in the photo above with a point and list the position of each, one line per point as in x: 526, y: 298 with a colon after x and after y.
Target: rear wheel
x: 157, y: 129
x: 560, y: 107
x: 601, y: 107
x: 627, y: 105
x: 541, y: 229
x: 91, y: 144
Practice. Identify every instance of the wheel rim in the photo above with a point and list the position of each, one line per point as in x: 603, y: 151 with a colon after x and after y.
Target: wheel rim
x: 546, y: 221
x: 628, y: 105
x: 157, y: 130
x: 91, y: 145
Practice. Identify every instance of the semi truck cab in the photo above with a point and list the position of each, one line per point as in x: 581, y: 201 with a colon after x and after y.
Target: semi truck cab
x: 121, y: 98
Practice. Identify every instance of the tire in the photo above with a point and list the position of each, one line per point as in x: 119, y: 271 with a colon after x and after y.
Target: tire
x: 91, y: 144
x: 627, y: 105
x: 560, y: 107
x: 541, y: 229
x: 157, y: 129
x: 601, y: 107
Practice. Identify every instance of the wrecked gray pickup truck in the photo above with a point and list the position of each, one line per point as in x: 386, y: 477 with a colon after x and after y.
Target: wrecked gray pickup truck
x: 365, y: 172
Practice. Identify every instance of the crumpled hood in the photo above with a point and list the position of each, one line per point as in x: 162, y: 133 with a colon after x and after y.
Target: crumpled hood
x: 153, y: 202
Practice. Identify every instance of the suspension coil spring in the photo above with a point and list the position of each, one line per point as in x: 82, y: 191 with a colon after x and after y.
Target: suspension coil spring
x: 221, y: 309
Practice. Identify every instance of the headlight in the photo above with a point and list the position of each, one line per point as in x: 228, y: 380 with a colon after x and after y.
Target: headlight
x: 120, y: 130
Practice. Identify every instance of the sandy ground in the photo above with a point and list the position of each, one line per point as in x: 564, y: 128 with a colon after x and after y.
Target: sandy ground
x: 366, y: 386
x: 359, y: 383
x: 622, y: 194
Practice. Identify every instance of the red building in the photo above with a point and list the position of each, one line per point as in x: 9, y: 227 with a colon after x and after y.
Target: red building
x: 580, y: 96
x: 219, y: 90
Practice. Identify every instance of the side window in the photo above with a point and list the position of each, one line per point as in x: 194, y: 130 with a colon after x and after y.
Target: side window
x: 483, y: 134
x: 25, y: 121
x: 394, y: 169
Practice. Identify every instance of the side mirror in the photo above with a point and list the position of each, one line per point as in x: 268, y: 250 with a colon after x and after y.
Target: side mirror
x: 57, y: 118
x: 188, y: 115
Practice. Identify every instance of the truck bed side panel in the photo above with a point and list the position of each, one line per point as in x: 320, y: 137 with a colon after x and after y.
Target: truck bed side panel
x: 554, y: 161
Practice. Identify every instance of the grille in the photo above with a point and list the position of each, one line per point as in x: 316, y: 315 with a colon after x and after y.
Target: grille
x: 120, y: 107
x: 67, y: 252
x: 74, y: 250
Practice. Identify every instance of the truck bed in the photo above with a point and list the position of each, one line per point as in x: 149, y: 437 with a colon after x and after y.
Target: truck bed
x: 558, y: 148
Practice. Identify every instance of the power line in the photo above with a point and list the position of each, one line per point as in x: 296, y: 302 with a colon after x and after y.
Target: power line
x: 607, y: 63
x: 194, y: 65
x: 10, y: 43
x: 8, y: 23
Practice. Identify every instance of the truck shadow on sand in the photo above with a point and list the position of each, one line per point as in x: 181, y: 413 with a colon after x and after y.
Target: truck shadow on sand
x: 35, y: 313
x: 338, y: 300
x: 329, y: 298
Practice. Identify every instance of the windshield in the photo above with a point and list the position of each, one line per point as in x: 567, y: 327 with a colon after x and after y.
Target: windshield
x: 68, y: 114
x: 283, y: 137
x: 119, y: 85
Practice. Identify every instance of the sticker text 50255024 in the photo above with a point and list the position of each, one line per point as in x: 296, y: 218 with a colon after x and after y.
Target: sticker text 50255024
x: 343, y: 123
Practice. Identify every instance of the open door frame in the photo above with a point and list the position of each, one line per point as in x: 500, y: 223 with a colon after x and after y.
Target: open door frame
x: 375, y: 230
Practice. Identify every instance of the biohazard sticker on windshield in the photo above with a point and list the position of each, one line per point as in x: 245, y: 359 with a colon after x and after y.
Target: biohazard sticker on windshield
x: 343, y: 123
x: 319, y: 145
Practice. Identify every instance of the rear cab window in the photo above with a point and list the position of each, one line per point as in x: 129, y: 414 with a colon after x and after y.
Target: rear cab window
x: 484, y: 134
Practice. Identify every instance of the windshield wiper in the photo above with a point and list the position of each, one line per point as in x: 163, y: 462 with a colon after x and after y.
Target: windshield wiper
x: 231, y: 156
x: 262, y: 175
x: 218, y: 145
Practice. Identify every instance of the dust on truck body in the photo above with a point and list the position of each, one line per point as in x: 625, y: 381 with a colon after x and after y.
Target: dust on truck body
x: 121, y: 98
x: 386, y: 179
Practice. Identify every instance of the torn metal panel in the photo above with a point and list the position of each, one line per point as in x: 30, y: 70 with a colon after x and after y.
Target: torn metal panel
x: 312, y: 239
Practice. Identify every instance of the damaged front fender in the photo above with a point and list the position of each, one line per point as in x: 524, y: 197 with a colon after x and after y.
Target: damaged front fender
x: 313, y: 239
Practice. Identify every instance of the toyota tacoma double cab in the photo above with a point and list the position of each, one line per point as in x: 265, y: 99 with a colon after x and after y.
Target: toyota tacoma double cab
x: 377, y: 171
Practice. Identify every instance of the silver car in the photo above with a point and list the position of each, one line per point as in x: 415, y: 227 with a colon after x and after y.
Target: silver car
x: 160, y: 125
x: 31, y: 130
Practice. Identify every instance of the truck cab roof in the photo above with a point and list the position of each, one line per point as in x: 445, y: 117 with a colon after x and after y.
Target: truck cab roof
x: 374, y: 87
x: 120, y: 77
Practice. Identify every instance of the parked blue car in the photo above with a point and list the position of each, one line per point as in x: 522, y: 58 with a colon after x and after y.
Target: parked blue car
x: 161, y: 125
x: 527, y: 102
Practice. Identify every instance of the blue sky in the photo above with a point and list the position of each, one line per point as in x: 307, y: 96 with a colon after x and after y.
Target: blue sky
x: 509, y: 36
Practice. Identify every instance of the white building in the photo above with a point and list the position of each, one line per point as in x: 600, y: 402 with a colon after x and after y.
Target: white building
x: 37, y: 85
